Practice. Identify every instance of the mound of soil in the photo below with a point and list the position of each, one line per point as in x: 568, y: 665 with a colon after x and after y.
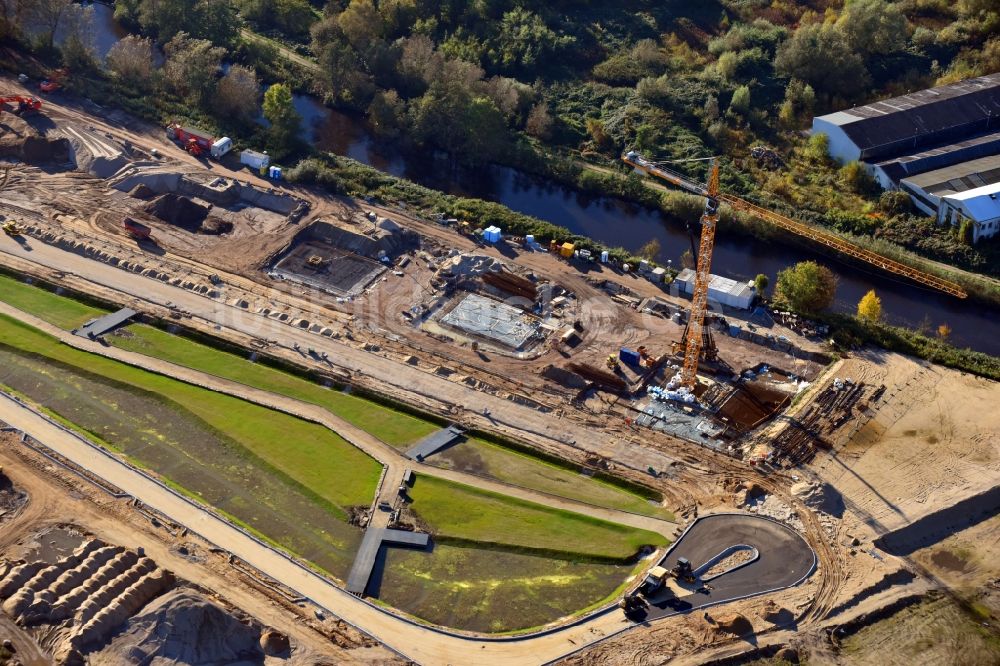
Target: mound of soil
x: 142, y: 191
x: 11, y: 498
x: 179, y: 210
x: 181, y: 627
x: 734, y: 624
x: 775, y: 614
x: 274, y: 643
x: 37, y: 149
x: 820, y: 497
x: 215, y: 225
x: 789, y: 654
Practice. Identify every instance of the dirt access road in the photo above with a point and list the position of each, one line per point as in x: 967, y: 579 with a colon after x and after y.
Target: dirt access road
x: 422, y: 644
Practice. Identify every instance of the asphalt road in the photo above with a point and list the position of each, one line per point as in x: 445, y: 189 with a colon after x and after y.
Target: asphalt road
x: 785, y: 560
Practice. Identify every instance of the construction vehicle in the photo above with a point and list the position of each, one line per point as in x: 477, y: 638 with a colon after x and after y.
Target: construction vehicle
x: 683, y: 571
x: 22, y: 104
x: 135, y: 229
x: 11, y: 228
x: 199, y: 142
x: 697, y: 337
x: 612, y: 363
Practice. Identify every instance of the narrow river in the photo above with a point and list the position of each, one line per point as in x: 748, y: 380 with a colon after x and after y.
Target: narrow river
x: 619, y: 223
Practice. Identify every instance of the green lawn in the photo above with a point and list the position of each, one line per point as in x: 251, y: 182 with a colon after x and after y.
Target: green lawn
x: 478, y: 456
x: 309, y: 453
x: 394, y: 427
x: 58, y: 310
x: 464, y: 512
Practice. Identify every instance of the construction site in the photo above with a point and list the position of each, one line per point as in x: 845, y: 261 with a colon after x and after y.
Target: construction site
x: 338, y: 431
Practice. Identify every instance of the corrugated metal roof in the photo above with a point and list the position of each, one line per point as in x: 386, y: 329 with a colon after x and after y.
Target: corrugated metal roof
x: 960, y: 177
x: 981, y: 203
x: 928, y: 116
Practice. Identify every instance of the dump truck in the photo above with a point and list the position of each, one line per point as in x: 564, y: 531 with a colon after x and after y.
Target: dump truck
x: 654, y: 580
x: 135, y: 229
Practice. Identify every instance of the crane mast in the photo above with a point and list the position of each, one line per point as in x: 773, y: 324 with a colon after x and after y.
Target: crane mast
x: 703, y: 275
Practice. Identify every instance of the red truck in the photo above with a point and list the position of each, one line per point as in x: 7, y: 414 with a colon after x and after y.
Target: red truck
x: 136, y: 230
x: 199, y: 142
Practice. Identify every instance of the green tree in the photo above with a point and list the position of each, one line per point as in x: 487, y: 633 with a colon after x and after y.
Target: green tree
x: 192, y: 65
x: 818, y: 147
x: 854, y: 177
x: 237, y: 94
x: 539, y: 122
x: 741, y: 100
x: 527, y: 44
x: 870, y: 308
x: 280, y: 112
x: 131, y: 60
x: 387, y: 115
x: 820, y: 55
x: 965, y: 231
x: 650, y: 250
x: 873, y: 27
x: 361, y: 23
x: 760, y: 283
x: 806, y: 287
x: 214, y: 20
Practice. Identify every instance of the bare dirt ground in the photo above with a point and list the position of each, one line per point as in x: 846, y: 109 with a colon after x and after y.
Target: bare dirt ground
x: 58, y: 497
x: 934, y: 440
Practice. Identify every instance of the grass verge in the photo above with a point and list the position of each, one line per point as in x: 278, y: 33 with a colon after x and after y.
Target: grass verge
x: 462, y: 512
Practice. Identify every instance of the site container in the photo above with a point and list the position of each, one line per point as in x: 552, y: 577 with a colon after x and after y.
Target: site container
x: 255, y: 160
x: 567, y: 250
x: 629, y: 357
x: 221, y: 147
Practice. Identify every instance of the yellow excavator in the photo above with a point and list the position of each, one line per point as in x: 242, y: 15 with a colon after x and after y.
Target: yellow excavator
x: 11, y: 229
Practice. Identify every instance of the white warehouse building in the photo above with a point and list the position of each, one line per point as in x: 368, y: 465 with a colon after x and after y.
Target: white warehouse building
x: 980, y: 205
x: 918, y: 132
x: 720, y: 289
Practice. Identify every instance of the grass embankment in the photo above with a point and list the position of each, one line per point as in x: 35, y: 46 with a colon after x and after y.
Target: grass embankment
x: 395, y: 427
x: 309, y: 453
x: 478, y: 456
x: 463, y: 513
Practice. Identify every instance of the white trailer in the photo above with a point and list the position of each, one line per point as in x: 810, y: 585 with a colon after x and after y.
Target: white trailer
x: 221, y: 147
x: 255, y: 160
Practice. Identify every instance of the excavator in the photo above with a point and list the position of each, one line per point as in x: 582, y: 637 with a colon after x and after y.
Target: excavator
x: 22, y: 104
x: 11, y: 228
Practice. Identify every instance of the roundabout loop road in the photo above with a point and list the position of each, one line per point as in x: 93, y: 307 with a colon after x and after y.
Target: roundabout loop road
x: 785, y: 560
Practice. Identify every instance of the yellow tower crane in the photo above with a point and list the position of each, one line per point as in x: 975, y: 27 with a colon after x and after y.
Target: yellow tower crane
x: 693, y: 342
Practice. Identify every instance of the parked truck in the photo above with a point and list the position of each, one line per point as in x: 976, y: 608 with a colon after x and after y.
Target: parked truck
x: 135, y: 229
x: 199, y: 142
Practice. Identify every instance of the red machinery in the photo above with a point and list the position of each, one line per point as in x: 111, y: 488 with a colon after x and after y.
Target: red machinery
x: 137, y: 230
x: 196, y: 142
x: 22, y: 104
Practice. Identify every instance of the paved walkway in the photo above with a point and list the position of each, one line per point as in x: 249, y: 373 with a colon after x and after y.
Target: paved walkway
x: 419, y: 643
x: 375, y: 538
x: 396, y: 462
x: 106, y: 323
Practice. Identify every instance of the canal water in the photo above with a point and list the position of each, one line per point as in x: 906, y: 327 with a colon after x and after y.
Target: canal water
x: 619, y: 223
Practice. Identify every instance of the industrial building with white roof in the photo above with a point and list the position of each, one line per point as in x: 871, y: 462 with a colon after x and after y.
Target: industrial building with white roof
x: 941, y: 146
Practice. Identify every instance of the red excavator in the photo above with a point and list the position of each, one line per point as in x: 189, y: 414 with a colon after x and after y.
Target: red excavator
x: 22, y: 104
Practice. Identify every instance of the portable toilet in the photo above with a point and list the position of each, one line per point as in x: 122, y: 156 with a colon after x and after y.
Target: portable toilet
x: 567, y: 250
x: 643, y: 266
x: 530, y: 240
x: 553, y: 245
x: 629, y: 357
x: 626, y: 267
x: 604, y: 256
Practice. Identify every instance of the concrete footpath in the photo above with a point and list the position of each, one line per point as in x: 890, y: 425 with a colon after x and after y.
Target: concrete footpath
x: 419, y: 643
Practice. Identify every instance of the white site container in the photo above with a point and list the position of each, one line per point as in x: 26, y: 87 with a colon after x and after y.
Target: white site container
x: 255, y: 160
x: 221, y: 147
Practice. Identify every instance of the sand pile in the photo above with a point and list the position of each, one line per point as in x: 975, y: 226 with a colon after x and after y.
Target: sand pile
x: 180, y: 211
x: 181, y: 627
x: 775, y: 614
x: 819, y: 497
x: 734, y: 624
